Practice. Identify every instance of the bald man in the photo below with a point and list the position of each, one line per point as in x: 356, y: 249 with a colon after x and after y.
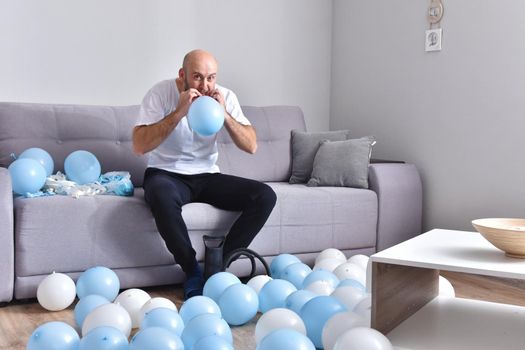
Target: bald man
x: 182, y: 164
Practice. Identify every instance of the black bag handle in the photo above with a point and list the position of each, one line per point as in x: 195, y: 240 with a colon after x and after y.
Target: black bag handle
x: 252, y: 255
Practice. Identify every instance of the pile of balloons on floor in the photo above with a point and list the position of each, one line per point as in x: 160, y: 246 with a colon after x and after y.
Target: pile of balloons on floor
x: 31, y: 168
x: 302, y: 309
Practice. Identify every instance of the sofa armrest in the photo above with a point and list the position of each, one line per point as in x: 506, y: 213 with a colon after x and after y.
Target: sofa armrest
x: 400, y: 201
x: 7, y: 247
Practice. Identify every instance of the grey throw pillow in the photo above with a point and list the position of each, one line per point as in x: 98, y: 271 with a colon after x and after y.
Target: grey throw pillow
x: 342, y: 163
x: 304, y: 148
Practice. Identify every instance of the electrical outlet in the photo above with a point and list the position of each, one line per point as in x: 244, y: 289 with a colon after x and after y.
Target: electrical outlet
x: 433, y: 39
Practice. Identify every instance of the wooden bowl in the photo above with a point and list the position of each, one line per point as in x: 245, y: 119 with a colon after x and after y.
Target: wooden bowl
x: 505, y: 234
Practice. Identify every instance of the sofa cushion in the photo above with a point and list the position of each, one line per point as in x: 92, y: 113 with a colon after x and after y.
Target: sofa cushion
x: 342, y: 163
x: 315, y: 218
x: 304, y: 149
x: 113, y: 231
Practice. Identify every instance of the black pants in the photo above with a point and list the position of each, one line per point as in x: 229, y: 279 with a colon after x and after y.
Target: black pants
x: 167, y: 192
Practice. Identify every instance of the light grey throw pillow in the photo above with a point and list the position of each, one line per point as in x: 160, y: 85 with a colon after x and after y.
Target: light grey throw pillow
x: 304, y: 148
x: 342, y: 163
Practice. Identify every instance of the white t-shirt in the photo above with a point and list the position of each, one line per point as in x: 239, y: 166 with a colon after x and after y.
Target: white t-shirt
x: 183, y: 151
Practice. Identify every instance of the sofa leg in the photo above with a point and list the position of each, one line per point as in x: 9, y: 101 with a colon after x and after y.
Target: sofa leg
x: 27, y: 301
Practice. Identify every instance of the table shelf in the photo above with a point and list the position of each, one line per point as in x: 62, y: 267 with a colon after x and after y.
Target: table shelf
x: 462, y: 324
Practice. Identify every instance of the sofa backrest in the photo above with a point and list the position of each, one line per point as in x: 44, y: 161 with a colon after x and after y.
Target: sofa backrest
x: 105, y: 131
x: 61, y: 129
x: 273, y: 159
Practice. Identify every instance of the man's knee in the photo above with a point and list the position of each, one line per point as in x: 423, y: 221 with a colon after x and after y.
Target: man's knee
x: 267, y: 197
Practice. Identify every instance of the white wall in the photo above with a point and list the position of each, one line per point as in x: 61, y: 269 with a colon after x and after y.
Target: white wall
x: 111, y: 52
x: 458, y: 114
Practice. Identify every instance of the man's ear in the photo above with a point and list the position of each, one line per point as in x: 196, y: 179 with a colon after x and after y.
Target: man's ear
x: 180, y: 81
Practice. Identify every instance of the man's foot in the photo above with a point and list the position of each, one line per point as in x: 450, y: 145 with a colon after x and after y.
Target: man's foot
x: 193, y: 287
x: 194, y: 283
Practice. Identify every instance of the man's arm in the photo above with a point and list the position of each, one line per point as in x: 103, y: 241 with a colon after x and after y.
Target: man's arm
x: 146, y: 138
x: 243, y: 136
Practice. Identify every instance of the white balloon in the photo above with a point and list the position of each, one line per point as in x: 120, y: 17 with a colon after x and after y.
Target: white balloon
x: 328, y: 264
x: 154, y: 303
x: 278, y: 318
x: 320, y: 287
x: 257, y: 282
x: 337, y: 325
x: 364, y: 308
x: 112, y: 315
x: 446, y: 288
x: 132, y: 301
x: 349, y: 296
x: 360, y: 260
x: 331, y: 253
x: 351, y: 271
x: 360, y: 338
x: 56, y: 292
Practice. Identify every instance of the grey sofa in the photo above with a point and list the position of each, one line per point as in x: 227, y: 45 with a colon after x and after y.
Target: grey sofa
x: 64, y: 234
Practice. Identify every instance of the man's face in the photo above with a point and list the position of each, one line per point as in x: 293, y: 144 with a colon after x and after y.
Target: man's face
x: 200, y: 74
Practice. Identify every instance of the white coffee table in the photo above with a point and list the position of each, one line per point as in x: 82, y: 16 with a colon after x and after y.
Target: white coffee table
x: 405, y: 302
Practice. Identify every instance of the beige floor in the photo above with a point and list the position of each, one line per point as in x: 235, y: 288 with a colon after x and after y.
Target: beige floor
x: 18, y: 320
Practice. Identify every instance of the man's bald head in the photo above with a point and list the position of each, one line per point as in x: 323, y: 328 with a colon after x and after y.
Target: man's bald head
x: 196, y: 56
x: 199, y: 70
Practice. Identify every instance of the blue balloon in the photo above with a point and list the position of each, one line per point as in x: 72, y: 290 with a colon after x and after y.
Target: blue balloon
x: 205, y: 325
x: 321, y: 275
x: 27, y: 175
x: 40, y: 156
x: 297, y: 299
x: 238, y: 304
x: 217, y: 283
x: 352, y: 283
x: 205, y: 116
x: 82, y: 167
x: 296, y: 273
x: 274, y: 293
x: 164, y: 318
x: 285, y: 339
x: 86, y: 305
x: 156, y: 338
x: 280, y: 262
x: 212, y: 342
x: 316, y: 312
x: 198, y: 305
x: 54, y: 335
x: 104, y: 338
x: 98, y: 280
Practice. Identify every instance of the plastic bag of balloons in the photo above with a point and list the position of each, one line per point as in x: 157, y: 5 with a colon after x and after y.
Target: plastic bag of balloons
x: 117, y: 182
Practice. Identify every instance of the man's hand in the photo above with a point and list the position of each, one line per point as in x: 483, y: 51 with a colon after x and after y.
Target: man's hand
x: 216, y: 94
x: 185, y: 100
